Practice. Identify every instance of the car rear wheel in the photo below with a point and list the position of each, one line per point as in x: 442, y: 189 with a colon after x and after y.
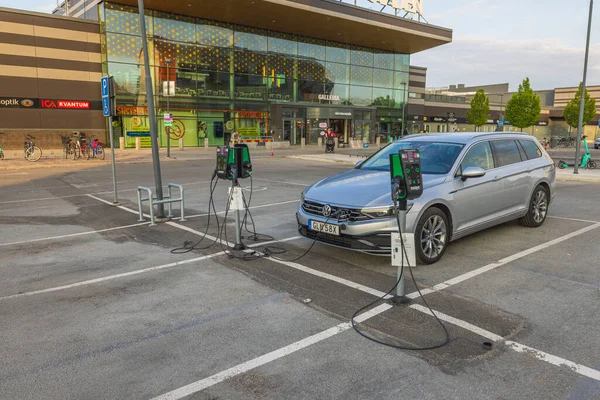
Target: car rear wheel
x: 538, y: 208
x: 431, y: 235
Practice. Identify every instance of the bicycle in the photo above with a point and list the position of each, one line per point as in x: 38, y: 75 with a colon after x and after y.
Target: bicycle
x: 32, y: 152
x: 68, y: 147
x: 1, y: 152
x: 95, y: 149
x: 81, y: 146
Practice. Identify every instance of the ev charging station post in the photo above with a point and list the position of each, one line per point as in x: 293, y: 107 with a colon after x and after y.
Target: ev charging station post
x: 107, y: 86
x: 233, y: 163
x: 407, y: 184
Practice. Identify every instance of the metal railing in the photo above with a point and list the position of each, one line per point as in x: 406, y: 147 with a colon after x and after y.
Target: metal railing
x: 168, y: 199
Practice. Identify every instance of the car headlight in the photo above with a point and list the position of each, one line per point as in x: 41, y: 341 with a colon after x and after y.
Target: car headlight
x: 387, y: 212
x: 302, y: 197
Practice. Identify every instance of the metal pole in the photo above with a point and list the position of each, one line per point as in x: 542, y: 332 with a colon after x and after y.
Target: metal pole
x: 168, y: 128
x: 400, y: 297
x: 582, y: 103
x: 113, y: 162
x: 151, y: 114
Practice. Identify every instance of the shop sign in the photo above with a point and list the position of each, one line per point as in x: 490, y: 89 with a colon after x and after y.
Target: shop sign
x: 323, y: 125
x: 545, y: 123
x: 66, y: 104
x: 328, y: 97
x: 17, y: 102
x: 251, y: 114
x: 132, y: 110
x: 342, y: 114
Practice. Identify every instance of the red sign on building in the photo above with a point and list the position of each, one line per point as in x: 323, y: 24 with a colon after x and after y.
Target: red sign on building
x: 66, y: 104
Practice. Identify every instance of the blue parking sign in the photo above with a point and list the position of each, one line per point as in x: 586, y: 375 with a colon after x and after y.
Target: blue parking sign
x: 106, y: 106
x: 104, y: 86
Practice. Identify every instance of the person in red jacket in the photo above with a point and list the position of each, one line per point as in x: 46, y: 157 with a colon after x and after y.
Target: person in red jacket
x: 329, y: 141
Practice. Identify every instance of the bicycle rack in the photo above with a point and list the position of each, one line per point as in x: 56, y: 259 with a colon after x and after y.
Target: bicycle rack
x: 168, y: 199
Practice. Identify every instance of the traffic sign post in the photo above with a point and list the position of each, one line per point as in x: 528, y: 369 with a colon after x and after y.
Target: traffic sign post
x: 108, y: 97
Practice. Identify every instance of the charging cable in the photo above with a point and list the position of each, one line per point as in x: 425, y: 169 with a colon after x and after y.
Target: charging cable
x: 189, y: 246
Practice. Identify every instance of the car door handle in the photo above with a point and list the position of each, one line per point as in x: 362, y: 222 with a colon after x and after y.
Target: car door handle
x: 497, y: 178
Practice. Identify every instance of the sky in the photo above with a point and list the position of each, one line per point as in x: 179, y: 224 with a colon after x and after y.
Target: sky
x: 494, y: 41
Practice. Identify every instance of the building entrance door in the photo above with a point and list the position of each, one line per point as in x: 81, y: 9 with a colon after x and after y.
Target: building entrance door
x: 293, y: 130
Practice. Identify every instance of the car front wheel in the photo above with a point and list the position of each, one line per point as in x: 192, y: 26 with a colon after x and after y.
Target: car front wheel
x: 538, y: 208
x: 431, y: 235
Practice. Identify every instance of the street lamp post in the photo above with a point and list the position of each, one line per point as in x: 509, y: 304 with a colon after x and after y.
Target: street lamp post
x: 160, y: 211
x: 404, y: 108
x: 582, y: 103
x: 168, y: 61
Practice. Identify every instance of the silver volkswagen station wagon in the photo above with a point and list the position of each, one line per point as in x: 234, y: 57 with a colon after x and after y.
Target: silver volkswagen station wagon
x: 471, y: 181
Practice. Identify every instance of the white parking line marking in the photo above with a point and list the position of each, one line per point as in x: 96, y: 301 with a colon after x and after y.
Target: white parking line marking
x: 195, y: 232
x: 132, y: 273
x: 284, y: 182
x: 269, y: 357
x: 252, y: 208
x: 558, y: 361
x: 458, y: 322
x: 334, y: 278
x: 85, y: 194
x: 574, y: 219
x: 110, y: 204
x: 75, y: 234
x: 506, y: 260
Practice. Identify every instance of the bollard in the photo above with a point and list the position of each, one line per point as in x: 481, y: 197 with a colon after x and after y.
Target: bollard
x: 320, y: 142
x: 122, y: 143
x: 335, y: 141
x: 180, y: 143
x: 138, y: 143
x: 378, y: 141
x: 302, y: 142
x: 206, y: 143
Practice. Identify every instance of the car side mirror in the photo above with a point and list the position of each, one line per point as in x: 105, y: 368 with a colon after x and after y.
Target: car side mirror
x: 472, y: 172
x: 358, y: 164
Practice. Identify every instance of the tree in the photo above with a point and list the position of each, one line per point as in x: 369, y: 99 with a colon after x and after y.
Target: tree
x: 479, y: 114
x: 523, y: 109
x: 571, y: 112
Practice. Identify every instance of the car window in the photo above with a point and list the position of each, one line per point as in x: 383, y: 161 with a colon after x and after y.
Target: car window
x: 507, y: 152
x: 436, y: 157
x: 531, y: 149
x: 480, y: 155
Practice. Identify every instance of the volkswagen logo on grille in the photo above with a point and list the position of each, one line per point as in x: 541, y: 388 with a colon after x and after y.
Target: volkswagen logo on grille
x: 326, y: 210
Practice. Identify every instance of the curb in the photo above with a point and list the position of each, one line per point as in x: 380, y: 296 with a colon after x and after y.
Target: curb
x: 325, y: 160
x: 588, y: 179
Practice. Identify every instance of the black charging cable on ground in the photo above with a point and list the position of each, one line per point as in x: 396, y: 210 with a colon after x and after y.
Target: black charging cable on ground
x: 189, y: 246
x: 444, y: 342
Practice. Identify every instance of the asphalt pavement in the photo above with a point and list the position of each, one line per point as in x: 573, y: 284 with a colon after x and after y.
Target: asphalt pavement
x: 95, y: 306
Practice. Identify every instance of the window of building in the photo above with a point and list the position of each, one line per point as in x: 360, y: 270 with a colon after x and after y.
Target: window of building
x: 338, y: 73
x: 311, y: 50
x: 361, y: 57
x: 361, y: 75
x: 213, y: 34
x: 506, y: 152
x: 338, y: 54
x: 385, y: 61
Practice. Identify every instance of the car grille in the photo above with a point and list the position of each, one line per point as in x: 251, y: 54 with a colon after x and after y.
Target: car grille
x: 339, y: 213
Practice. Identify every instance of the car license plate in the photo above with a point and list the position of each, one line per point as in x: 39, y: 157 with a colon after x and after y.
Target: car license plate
x: 323, y: 227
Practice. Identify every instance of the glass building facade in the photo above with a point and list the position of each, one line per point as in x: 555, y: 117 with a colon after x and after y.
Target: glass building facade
x: 216, y: 78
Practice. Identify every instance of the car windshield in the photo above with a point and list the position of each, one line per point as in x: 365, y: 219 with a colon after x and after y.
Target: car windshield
x: 436, y: 157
